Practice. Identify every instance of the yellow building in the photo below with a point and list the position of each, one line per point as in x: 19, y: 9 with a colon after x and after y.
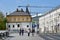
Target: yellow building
x: 19, y: 19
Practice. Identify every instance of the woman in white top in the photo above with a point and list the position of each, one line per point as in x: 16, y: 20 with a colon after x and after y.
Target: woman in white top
x: 29, y: 31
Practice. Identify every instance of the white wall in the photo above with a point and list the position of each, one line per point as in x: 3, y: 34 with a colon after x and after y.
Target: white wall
x: 22, y: 25
x: 49, y: 20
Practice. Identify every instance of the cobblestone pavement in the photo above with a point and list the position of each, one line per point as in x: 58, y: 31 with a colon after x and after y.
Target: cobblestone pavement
x: 16, y: 36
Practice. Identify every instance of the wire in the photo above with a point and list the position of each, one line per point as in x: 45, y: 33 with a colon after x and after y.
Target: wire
x: 38, y: 6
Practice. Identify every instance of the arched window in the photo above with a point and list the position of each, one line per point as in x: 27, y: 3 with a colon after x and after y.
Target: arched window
x: 18, y: 25
x: 9, y: 26
x: 27, y: 25
x: 13, y: 26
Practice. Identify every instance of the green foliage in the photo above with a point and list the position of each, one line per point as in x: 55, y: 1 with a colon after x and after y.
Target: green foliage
x: 2, y: 21
x: 33, y: 22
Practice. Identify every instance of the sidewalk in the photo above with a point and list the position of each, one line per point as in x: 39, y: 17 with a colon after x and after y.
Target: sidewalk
x: 16, y: 36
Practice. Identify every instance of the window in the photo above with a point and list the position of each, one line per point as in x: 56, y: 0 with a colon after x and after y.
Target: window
x: 9, y: 19
x: 27, y: 18
x: 18, y: 25
x: 9, y: 26
x: 58, y: 24
x: 14, y: 19
x: 59, y: 14
x: 27, y: 25
x: 18, y: 19
x: 13, y: 26
x: 23, y: 19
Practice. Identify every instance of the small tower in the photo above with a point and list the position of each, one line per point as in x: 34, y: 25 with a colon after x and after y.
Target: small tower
x: 17, y: 10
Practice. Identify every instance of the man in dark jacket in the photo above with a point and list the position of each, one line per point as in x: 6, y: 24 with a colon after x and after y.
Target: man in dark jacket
x: 22, y: 32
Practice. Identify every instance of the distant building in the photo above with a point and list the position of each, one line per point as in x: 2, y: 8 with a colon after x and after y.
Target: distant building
x: 50, y: 22
x: 35, y: 18
x: 19, y: 19
x: 35, y: 21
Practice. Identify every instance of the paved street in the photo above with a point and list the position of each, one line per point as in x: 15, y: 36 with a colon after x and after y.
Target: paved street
x: 50, y: 36
x: 16, y: 36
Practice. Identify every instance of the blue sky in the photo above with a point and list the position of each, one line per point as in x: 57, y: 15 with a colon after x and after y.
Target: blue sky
x: 11, y: 5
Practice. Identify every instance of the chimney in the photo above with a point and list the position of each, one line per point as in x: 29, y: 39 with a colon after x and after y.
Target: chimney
x: 27, y: 10
x: 22, y: 10
x: 17, y: 10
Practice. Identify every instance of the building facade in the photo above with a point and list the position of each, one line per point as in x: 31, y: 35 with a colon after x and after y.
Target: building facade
x: 19, y: 19
x: 50, y: 21
x: 35, y: 21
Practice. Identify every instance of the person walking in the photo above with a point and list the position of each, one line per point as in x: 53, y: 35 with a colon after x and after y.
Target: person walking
x: 37, y: 31
x: 33, y: 31
x: 22, y: 31
x: 29, y: 30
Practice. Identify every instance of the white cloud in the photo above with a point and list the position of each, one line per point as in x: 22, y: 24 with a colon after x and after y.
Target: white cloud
x: 36, y: 15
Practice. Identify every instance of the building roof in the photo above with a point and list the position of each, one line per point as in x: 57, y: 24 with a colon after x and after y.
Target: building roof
x: 20, y: 12
x: 51, y: 11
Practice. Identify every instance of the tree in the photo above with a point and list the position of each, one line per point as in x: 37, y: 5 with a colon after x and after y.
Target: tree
x: 2, y: 21
x: 1, y: 15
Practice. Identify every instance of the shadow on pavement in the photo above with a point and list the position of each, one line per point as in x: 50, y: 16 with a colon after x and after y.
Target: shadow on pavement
x: 45, y: 37
x: 55, y: 37
x: 50, y: 36
x: 10, y: 36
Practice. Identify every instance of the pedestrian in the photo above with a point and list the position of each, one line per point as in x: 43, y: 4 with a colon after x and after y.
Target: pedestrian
x: 37, y: 31
x: 29, y: 30
x: 33, y: 31
x: 22, y: 31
